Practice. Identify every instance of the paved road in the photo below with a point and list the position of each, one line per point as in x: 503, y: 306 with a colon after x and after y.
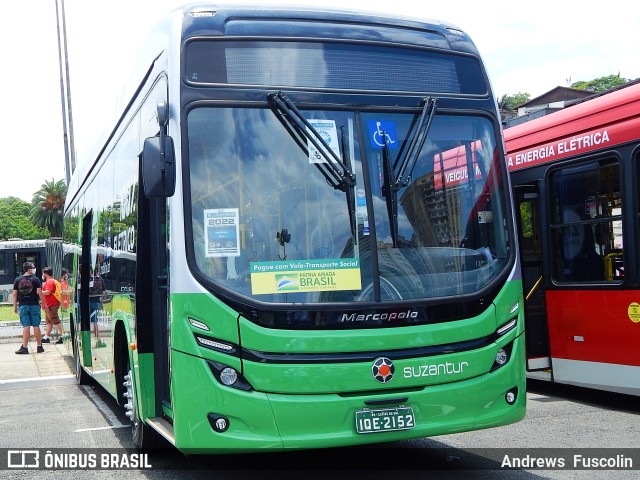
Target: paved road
x: 72, y: 417
x: 42, y: 408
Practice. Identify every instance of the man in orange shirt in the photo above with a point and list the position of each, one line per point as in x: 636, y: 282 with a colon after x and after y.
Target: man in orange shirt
x: 51, y: 291
x: 65, y: 293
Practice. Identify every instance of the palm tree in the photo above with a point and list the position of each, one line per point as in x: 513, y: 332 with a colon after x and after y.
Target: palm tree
x: 47, y: 206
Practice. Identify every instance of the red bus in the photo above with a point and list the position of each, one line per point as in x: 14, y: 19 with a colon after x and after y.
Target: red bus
x: 576, y: 177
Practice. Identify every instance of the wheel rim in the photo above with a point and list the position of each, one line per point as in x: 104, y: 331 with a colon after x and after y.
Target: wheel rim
x: 129, y: 406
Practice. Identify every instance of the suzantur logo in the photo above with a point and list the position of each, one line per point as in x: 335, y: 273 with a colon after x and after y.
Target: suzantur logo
x: 383, y: 369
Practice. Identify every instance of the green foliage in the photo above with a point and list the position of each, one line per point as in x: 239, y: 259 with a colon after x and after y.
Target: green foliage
x: 526, y: 219
x: 510, y: 103
x: 47, y: 206
x: 15, y: 222
x: 600, y: 84
x: 42, y: 219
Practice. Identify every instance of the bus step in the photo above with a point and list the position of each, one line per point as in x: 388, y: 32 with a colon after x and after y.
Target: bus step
x: 538, y: 363
x: 163, y: 427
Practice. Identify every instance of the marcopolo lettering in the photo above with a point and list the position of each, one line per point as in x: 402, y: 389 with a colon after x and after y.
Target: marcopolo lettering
x: 379, y: 317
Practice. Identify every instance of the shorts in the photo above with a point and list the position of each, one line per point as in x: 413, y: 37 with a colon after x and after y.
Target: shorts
x: 94, y: 308
x: 29, y: 315
x: 52, y: 315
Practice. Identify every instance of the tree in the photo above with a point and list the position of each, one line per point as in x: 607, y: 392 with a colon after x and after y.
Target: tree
x: 510, y: 103
x: 47, y: 206
x: 15, y: 222
x: 600, y: 84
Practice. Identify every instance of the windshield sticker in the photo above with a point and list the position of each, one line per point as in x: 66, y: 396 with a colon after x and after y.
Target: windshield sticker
x: 221, y: 232
x: 361, y: 210
x: 328, y: 132
x: 379, y: 130
x: 305, y: 276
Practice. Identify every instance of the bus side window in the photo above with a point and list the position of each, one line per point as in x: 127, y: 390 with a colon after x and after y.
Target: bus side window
x: 586, y: 223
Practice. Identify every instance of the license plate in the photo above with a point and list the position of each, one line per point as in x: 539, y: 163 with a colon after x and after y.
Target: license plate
x: 385, y: 420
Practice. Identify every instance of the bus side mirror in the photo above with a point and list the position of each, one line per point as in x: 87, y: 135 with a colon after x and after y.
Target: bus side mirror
x: 159, y: 167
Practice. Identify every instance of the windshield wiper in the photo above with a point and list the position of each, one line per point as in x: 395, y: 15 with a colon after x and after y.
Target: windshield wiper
x: 407, y: 159
x: 336, y: 170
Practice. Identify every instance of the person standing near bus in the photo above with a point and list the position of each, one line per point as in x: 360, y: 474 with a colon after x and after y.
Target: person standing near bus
x: 52, y: 294
x: 27, y: 293
x: 65, y: 292
x: 97, y: 292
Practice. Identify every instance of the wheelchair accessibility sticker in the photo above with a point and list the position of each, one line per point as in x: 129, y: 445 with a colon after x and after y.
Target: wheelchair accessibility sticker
x: 381, y: 130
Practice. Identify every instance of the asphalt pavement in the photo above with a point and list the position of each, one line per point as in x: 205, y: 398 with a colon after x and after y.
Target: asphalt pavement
x: 51, y: 368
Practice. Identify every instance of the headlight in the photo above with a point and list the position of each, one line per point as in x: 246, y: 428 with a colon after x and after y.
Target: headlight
x: 228, y: 376
x: 502, y: 357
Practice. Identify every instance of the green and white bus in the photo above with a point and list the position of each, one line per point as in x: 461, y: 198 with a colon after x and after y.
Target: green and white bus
x: 303, y: 226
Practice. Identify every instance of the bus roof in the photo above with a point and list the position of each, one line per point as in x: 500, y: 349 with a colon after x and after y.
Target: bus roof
x: 283, y: 12
x: 605, y: 121
x: 281, y: 20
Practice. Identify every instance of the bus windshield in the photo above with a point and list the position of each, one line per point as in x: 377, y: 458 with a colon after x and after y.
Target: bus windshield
x: 267, y: 224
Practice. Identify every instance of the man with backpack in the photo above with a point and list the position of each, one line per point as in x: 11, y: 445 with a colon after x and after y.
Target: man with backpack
x: 52, y: 294
x: 27, y: 292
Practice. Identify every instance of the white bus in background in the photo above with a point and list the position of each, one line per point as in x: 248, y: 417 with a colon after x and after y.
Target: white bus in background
x: 13, y: 253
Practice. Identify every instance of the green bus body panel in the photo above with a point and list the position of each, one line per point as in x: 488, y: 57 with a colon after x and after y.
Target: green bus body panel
x: 258, y: 338
x: 313, y: 405
x: 144, y: 378
x: 276, y: 421
x: 85, y: 348
x: 195, y: 393
x: 99, y: 360
x: 350, y: 377
x: 221, y: 320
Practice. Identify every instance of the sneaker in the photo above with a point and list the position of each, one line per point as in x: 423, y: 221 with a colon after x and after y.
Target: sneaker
x: 40, y: 349
x: 58, y: 342
x: 22, y: 350
x: 46, y: 340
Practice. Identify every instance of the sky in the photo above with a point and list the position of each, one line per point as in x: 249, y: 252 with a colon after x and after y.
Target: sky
x: 527, y: 47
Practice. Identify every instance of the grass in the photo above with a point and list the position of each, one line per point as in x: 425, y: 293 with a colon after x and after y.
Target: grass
x: 7, y: 314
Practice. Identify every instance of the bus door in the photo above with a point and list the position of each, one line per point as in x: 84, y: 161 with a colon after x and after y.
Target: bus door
x: 152, y: 293
x: 529, y: 230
